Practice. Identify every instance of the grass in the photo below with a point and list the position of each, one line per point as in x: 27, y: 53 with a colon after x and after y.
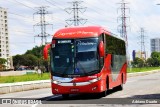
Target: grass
x: 144, y: 69
x: 45, y: 76
x: 22, y: 78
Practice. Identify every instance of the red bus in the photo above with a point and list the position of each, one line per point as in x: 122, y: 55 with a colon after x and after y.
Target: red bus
x: 86, y: 60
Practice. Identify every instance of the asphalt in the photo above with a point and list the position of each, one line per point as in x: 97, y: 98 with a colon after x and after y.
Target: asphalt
x: 32, y: 85
x: 137, y: 87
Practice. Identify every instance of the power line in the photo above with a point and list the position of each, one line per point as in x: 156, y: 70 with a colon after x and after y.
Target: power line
x: 24, y: 4
x: 76, y: 20
x: 57, y: 5
x: 54, y: 4
x: 43, y: 35
x: 98, y: 12
x: 17, y: 14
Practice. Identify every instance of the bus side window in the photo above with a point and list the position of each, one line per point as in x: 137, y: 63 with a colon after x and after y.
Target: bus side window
x: 101, y: 60
x: 112, y: 60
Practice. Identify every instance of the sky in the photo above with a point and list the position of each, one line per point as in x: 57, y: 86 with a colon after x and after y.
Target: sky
x: 141, y: 14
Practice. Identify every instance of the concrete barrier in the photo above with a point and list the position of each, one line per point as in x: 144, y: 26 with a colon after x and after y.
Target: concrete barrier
x: 23, y: 86
x: 31, y: 85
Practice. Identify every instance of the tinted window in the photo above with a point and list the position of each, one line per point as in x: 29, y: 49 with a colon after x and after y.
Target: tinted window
x: 75, y: 57
x: 115, y: 46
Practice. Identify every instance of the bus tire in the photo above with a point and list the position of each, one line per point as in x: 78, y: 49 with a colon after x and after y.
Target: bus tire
x: 120, y: 87
x: 104, y: 93
x: 65, y: 96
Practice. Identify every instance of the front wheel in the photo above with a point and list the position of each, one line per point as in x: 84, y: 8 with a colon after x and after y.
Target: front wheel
x: 65, y: 96
x: 120, y: 87
x: 104, y: 93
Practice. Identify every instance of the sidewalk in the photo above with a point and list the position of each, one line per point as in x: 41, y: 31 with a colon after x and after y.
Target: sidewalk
x: 142, y: 73
x: 14, y: 73
x: 31, y: 85
x: 24, y: 86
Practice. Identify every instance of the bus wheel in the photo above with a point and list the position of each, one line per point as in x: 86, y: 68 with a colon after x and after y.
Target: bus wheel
x: 104, y: 93
x: 120, y: 87
x: 65, y: 96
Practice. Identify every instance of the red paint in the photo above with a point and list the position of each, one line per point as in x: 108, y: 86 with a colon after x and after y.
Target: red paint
x: 45, y: 51
x: 85, y: 32
x: 79, y: 32
x: 84, y: 79
x: 101, y: 49
x: 82, y: 89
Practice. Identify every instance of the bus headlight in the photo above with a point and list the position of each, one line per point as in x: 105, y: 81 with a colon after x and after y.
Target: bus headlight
x: 56, y: 82
x: 95, y: 80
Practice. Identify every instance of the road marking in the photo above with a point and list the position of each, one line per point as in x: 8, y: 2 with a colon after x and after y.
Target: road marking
x: 53, y: 97
x: 35, y: 96
x: 34, y: 105
x: 47, y: 99
x: 124, y: 96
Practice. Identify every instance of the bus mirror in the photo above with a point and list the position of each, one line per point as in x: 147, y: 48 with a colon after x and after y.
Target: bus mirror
x: 45, y: 51
x: 101, y: 49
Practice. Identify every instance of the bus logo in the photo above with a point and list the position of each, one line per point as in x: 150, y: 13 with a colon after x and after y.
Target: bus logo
x: 74, y: 84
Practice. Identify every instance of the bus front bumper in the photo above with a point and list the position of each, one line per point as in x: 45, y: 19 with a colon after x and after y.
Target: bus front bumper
x: 79, y: 87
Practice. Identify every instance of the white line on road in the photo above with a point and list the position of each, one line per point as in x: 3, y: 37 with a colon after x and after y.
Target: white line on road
x: 36, y: 96
x: 47, y: 99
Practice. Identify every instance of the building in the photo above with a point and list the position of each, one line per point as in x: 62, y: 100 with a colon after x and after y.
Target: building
x: 4, y: 38
x: 155, y: 45
x: 139, y: 54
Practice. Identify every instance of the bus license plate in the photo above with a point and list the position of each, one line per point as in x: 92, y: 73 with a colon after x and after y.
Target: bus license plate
x: 74, y: 90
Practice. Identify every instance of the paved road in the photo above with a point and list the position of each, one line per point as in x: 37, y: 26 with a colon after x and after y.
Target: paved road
x: 147, y: 86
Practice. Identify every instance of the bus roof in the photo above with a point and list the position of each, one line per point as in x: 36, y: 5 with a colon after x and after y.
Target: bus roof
x: 80, y: 32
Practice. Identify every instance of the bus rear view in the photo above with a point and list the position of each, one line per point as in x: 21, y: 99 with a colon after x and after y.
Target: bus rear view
x: 79, y: 63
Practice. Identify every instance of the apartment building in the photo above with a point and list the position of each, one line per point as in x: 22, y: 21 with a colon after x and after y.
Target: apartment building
x: 155, y: 45
x: 4, y: 38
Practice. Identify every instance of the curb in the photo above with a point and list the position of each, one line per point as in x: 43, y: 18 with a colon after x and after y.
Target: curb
x: 32, y: 85
x: 24, y: 86
x: 142, y: 73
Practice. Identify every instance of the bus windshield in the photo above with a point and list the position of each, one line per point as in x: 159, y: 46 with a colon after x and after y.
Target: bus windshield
x: 74, y: 57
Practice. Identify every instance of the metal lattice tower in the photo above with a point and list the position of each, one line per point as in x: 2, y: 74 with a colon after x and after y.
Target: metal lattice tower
x: 42, y: 12
x: 122, y: 28
x: 142, y: 43
x: 76, y: 20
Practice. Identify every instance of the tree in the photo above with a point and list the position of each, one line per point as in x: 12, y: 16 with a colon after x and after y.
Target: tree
x: 29, y: 60
x: 138, y: 62
x: 17, y: 60
x: 150, y: 62
x: 156, y: 58
x: 32, y: 58
x: 37, y: 51
x: 2, y: 62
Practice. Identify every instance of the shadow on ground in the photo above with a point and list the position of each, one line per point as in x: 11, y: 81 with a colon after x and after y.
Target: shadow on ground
x: 147, y: 96
x: 79, y: 96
